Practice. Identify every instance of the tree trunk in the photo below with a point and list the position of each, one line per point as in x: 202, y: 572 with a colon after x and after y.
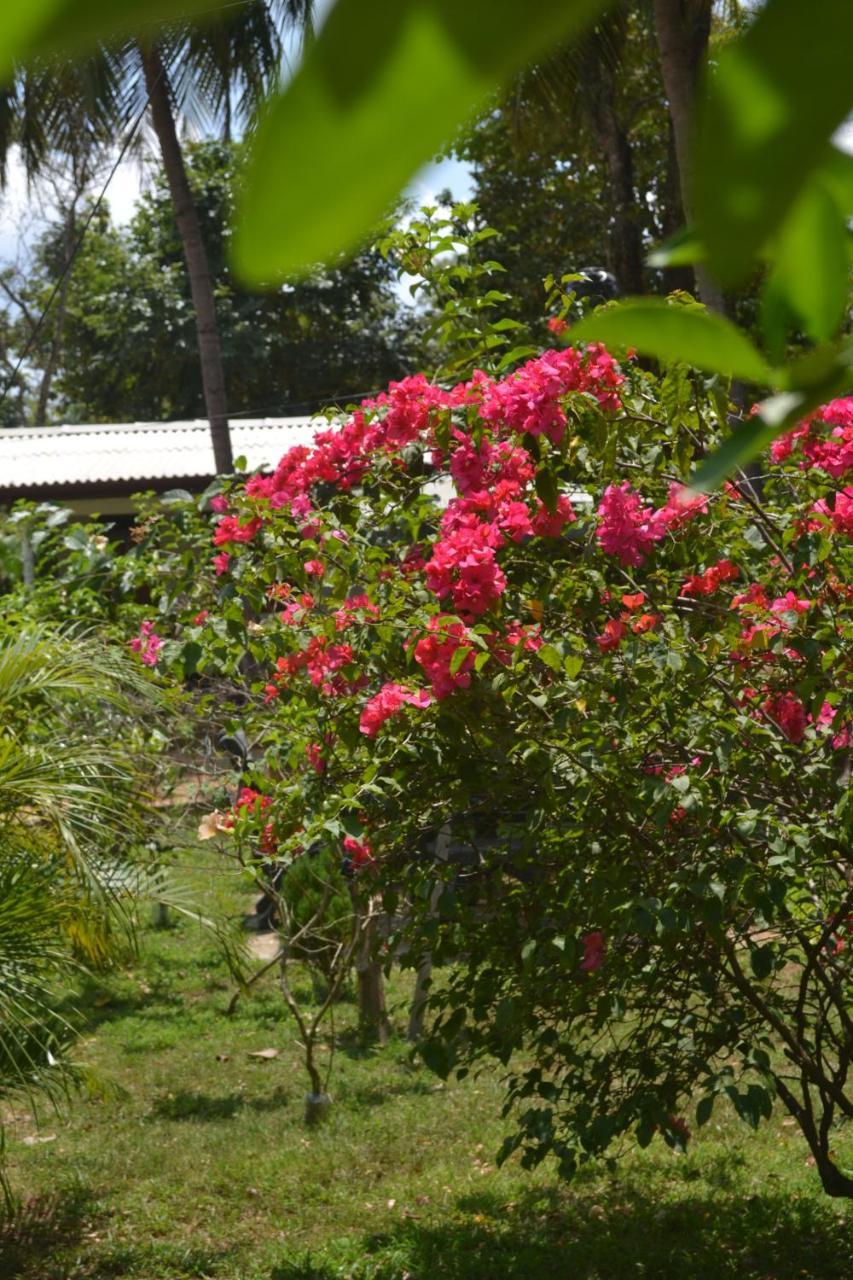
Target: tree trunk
x: 198, y: 269
x: 672, y: 219
x: 372, y: 1013
x: 683, y: 28
x: 626, y: 248
x: 419, y: 1000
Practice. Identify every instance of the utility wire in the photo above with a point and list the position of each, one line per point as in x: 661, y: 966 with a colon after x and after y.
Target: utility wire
x: 39, y: 325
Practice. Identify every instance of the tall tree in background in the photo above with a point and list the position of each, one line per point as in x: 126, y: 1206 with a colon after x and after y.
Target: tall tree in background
x: 214, y: 74
x: 683, y: 29
x: 206, y: 68
x: 585, y: 161
x: 320, y: 340
x: 575, y: 167
x: 591, y: 90
x: 201, y: 285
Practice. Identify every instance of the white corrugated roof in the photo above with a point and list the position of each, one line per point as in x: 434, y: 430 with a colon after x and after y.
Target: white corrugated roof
x: 139, y: 452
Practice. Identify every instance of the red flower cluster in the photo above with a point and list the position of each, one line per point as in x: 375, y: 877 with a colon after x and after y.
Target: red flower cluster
x: 614, y: 628
x: 230, y: 530
x: 147, y: 644
x: 321, y: 660
x: 253, y: 804
x: 706, y: 583
x: 593, y: 951
x: 435, y: 653
x: 390, y: 699
x: 789, y: 714
x: 356, y: 609
x: 833, y: 453
x: 628, y: 530
x: 358, y: 853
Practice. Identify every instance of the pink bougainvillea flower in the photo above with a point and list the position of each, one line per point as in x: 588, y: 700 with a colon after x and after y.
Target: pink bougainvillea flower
x: 611, y: 638
x: 358, y: 852
x: 681, y: 505
x: 146, y: 644
x: 593, y: 951
x: 550, y: 524
x: 231, y: 530
x: 790, y: 603
x: 626, y: 529
x: 435, y: 652
x: 812, y: 446
x: 315, y: 568
x: 463, y: 565
x: 221, y: 562
x: 789, y: 714
x: 390, y: 699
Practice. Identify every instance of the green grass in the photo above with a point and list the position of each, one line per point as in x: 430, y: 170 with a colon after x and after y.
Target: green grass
x: 191, y: 1160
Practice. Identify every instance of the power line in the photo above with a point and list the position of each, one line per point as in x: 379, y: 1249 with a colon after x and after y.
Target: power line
x: 38, y: 326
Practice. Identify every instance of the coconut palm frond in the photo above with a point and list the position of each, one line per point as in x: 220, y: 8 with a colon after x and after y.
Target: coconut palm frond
x: 71, y: 807
x: 41, y: 663
x: 33, y: 1034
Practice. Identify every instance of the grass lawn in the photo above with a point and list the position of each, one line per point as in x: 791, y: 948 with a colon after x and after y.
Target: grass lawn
x: 192, y: 1161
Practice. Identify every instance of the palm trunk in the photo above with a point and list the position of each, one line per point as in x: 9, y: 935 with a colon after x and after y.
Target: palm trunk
x: 672, y: 218
x: 683, y: 28
x: 626, y: 248
x: 201, y: 285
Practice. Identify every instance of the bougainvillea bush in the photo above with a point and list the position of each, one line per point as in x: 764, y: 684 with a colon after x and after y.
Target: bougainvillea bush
x: 588, y: 735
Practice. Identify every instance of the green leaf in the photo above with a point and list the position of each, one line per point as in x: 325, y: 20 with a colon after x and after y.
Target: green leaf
x: 572, y: 665
x: 190, y: 655
x: 40, y: 27
x: 810, y: 257
x: 776, y: 98
x: 373, y: 101
x: 836, y: 174
x: 516, y: 354
x: 672, y: 332
x: 775, y: 415
x: 459, y: 656
x: 763, y: 961
x: 437, y: 1056
x: 681, y: 249
x: 546, y: 488
x: 551, y: 657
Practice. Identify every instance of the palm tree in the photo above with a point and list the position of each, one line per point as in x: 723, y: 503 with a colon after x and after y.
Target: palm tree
x: 214, y: 75
x: 577, y: 87
x: 203, y: 69
x: 69, y: 810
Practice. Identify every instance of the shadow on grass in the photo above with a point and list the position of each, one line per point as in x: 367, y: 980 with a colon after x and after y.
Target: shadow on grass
x: 35, y: 1230
x: 200, y: 1107
x: 48, y: 1238
x: 620, y: 1235
x: 375, y: 1095
x: 93, y: 1006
